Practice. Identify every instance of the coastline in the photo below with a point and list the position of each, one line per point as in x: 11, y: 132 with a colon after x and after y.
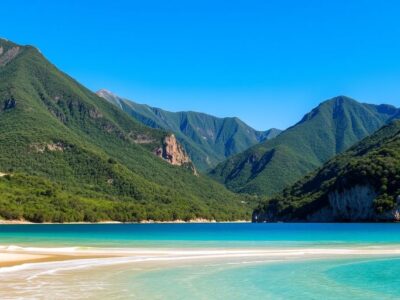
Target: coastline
x: 149, y: 273
x: 12, y: 256
x: 194, y: 221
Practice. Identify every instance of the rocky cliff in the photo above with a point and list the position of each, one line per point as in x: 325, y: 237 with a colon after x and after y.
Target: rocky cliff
x: 207, y: 139
x: 172, y: 152
x: 355, y: 204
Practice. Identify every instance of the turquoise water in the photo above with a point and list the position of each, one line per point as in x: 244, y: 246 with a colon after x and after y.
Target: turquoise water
x: 321, y: 279
x: 200, y: 235
x: 327, y: 277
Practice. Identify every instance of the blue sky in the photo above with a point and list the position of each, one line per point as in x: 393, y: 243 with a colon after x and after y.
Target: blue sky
x: 267, y: 62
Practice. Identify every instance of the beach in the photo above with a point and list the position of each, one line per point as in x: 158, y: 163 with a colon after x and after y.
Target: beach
x: 28, y: 269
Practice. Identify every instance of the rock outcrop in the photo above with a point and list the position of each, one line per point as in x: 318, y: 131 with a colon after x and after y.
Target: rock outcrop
x: 8, y: 55
x: 355, y: 204
x: 52, y: 147
x: 172, y: 152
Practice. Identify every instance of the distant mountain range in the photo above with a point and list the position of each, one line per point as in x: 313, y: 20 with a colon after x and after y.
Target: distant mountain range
x: 68, y: 155
x: 363, y: 184
x: 207, y: 139
x: 327, y: 130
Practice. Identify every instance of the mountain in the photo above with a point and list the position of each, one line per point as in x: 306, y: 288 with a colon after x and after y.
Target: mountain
x: 68, y: 155
x: 327, y: 130
x: 362, y: 184
x: 207, y: 139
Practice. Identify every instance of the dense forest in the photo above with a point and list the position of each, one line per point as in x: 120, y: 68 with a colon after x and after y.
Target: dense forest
x: 329, y: 129
x: 70, y: 155
x: 373, y: 163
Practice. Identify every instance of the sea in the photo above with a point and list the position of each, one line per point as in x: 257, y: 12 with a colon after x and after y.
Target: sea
x: 206, y: 261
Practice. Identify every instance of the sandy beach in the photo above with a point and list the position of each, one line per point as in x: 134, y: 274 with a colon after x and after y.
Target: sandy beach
x: 15, y: 256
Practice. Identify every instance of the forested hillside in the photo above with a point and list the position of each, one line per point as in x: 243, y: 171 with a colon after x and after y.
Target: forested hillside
x: 329, y: 129
x: 68, y: 155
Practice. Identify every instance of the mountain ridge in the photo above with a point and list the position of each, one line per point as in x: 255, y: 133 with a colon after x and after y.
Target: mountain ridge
x: 330, y: 128
x: 207, y: 139
x: 69, y: 155
x: 360, y: 185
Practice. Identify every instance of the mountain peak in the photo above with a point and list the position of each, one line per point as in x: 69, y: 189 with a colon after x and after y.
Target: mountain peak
x: 330, y: 128
x: 207, y: 139
x: 5, y: 42
x: 344, y: 189
x: 338, y: 100
x: 105, y: 92
x: 8, y: 51
x: 105, y: 160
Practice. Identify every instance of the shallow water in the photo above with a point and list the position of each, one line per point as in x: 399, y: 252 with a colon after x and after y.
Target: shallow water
x: 199, y: 235
x: 281, y: 276
x: 314, y: 279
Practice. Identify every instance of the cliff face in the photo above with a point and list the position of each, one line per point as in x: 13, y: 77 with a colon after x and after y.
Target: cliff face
x: 173, y: 152
x: 207, y: 139
x: 355, y: 204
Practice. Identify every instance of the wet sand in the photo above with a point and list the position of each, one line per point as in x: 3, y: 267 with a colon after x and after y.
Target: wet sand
x: 13, y: 255
x: 15, y: 258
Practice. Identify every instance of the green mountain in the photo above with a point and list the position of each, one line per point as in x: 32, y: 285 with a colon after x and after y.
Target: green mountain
x: 68, y: 155
x: 362, y: 184
x: 208, y: 140
x: 327, y: 130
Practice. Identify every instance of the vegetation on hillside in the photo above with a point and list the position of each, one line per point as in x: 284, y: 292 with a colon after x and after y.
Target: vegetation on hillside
x: 208, y: 139
x: 327, y: 130
x: 375, y: 162
x: 73, y: 156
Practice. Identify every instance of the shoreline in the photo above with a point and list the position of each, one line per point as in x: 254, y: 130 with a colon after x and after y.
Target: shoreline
x: 14, y: 256
x: 194, y: 221
x: 19, y: 259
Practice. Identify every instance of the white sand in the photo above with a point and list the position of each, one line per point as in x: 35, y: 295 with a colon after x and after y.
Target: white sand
x: 7, y: 257
x: 13, y: 255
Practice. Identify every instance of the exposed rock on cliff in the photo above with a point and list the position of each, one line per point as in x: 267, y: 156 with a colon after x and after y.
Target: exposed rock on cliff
x: 42, y: 147
x: 173, y: 152
x: 8, y: 55
x: 207, y: 139
x: 356, y: 203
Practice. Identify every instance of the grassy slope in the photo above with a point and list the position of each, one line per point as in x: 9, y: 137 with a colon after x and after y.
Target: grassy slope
x: 208, y: 139
x: 331, y: 128
x: 374, y: 161
x: 100, y: 164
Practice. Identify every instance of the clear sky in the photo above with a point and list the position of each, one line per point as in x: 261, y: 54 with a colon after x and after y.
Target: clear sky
x: 267, y: 62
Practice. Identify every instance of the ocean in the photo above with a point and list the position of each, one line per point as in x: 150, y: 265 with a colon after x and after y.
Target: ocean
x: 206, y: 261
